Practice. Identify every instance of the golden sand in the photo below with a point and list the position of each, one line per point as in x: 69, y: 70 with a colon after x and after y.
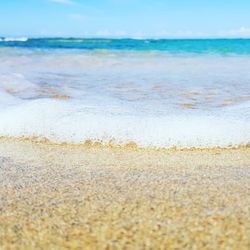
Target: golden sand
x: 67, y: 197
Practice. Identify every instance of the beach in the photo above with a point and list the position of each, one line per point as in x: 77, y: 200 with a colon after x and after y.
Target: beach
x: 94, y: 197
x: 124, y: 143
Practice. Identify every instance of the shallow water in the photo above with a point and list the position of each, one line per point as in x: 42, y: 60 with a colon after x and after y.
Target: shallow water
x: 165, y: 93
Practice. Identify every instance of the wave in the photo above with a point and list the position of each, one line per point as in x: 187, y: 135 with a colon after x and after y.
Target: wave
x: 10, y: 39
x: 152, y: 102
x: 62, y: 122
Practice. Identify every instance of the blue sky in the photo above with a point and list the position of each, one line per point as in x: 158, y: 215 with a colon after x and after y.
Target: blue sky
x: 125, y: 18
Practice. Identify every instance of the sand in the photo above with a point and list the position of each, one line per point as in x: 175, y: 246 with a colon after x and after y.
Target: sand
x: 71, y: 197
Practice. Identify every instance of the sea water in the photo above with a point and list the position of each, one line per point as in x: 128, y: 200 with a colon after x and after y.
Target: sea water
x: 152, y: 93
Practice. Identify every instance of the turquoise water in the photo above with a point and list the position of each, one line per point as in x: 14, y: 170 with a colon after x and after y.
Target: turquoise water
x: 212, y: 46
x: 155, y: 93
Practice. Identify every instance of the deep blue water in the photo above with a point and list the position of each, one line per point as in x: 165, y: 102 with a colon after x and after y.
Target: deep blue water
x: 207, y: 46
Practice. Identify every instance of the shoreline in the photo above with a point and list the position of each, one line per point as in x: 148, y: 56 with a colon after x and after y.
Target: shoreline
x: 88, y: 144
x: 104, y: 198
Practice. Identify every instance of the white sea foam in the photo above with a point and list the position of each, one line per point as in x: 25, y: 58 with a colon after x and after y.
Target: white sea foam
x: 60, y: 122
x: 157, y: 101
x: 12, y: 39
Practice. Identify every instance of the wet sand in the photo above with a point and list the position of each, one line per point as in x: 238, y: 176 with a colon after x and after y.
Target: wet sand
x: 69, y: 197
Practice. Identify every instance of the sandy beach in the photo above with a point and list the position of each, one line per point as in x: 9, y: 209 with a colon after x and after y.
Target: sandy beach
x: 73, y: 197
x: 122, y: 133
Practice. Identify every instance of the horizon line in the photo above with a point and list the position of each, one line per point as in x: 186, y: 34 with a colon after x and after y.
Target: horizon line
x: 120, y: 38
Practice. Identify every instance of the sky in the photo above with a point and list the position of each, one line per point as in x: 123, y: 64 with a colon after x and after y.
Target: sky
x: 125, y: 18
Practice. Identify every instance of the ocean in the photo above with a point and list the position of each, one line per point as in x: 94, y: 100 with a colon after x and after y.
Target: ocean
x: 192, y: 93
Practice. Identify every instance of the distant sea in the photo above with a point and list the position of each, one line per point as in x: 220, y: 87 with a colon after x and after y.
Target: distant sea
x: 211, y: 46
